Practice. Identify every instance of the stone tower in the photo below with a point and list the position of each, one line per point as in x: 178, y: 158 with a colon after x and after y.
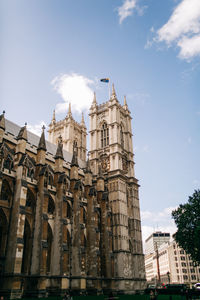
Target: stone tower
x: 111, y: 154
x: 71, y: 131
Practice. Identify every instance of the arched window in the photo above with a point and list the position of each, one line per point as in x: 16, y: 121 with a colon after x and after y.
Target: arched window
x: 69, y: 211
x: 51, y: 206
x: 3, y: 235
x: 49, y: 245
x: 30, y: 173
x: 83, y: 215
x: 30, y: 199
x: 26, y: 261
x: 65, y: 186
x: 121, y: 136
x: 46, y: 179
x: 104, y: 135
x: 8, y: 164
x: 6, y: 193
x: 50, y: 180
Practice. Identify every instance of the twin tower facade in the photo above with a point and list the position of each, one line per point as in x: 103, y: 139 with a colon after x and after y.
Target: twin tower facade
x: 67, y: 222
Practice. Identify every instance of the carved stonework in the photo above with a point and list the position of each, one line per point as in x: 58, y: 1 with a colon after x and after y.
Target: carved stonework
x: 124, y: 164
x: 105, y: 164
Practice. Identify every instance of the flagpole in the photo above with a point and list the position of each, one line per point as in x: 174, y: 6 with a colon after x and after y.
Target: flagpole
x: 109, y: 89
x: 107, y: 80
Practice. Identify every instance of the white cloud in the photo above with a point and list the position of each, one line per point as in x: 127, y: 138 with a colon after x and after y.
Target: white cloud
x: 37, y: 128
x: 75, y: 89
x: 126, y: 9
x: 183, y: 29
x: 190, y: 47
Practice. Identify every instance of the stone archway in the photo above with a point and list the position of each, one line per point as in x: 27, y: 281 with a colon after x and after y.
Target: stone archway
x: 49, y: 247
x: 26, y: 260
x: 3, y: 239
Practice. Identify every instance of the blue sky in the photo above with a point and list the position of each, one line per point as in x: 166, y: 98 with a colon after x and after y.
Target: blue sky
x: 53, y: 52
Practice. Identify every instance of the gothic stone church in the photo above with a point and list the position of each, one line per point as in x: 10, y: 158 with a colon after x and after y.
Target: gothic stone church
x: 67, y: 222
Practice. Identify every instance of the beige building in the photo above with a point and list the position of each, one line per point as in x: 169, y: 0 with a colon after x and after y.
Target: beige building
x: 170, y: 264
x: 68, y: 224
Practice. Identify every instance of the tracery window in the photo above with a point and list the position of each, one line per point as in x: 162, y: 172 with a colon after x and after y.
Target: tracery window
x: 50, y: 180
x: 69, y: 212
x: 30, y: 173
x: 8, y: 164
x: 30, y: 200
x: 6, y: 193
x: 51, y: 206
x: 104, y: 135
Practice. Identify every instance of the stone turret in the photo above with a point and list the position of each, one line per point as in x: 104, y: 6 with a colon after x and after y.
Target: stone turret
x: 100, y: 180
x: 41, y: 150
x: 88, y: 174
x: 21, y: 143
x: 59, y: 157
x: 74, y: 163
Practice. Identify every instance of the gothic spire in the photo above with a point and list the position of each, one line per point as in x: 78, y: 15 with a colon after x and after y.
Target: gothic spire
x: 2, y: 120
x: 113, y: 95
x: 22, y: 133
x: 69, y: 114
x: 74, y: 161
x: 125, y: 101
x: 54, y: 116
x: 94, y: 102
x: 113, y: 90
x: 82, y: 120
x: 59, y: 151
x: 42, y: 142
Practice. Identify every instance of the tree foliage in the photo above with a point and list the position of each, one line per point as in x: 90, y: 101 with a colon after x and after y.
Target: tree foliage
x: 187, y: 220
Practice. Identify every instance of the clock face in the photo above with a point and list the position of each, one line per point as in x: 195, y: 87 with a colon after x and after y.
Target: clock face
x: 105, y: 164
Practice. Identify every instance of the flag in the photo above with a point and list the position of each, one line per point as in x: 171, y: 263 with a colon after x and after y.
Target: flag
x: 104, y: 80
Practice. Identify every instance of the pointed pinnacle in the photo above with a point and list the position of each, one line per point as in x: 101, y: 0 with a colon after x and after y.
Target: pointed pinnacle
x: 125, y: 104
x: 22, y: 133
x: 59, y: 151
x: 74, y: 161
x: 54, y: 115
x: 94, y: 99
x: 2, y: 120
x: 42, y: 142
x: 113, y: 90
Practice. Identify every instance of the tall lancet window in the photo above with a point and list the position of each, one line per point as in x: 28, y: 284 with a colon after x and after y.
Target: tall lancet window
x: 104, y: 135
x: 121, y: 136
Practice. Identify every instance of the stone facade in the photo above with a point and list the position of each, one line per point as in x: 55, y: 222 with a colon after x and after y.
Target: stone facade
x: 66, y: 223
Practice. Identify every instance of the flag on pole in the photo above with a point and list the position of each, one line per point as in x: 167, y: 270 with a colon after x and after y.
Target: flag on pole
x: 104, y: 80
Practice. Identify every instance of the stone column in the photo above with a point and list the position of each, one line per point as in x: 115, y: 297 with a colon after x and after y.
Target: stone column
x: 15, y: 247
x: 56, y: 257
x: 76, y: 251
x: 91, y: 239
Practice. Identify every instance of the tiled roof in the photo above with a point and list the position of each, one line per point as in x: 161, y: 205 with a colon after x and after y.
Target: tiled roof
x: 33, y: 140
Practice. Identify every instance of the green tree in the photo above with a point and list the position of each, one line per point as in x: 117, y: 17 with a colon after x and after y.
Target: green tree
x: 187, y: 220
